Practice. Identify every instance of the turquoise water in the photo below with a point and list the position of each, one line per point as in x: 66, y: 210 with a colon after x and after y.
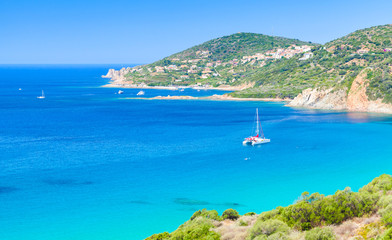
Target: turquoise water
x: 86, y: 163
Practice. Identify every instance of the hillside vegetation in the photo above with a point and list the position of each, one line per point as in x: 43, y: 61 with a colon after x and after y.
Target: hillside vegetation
x: 222, y: 61
x: 276, y: 66
x: 333, y: 65
x: 366, y: 214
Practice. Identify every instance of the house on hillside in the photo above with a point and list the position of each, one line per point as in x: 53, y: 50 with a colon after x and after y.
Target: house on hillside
x: 306, y: 56
x: 363, y: 51
x: 159, y: 69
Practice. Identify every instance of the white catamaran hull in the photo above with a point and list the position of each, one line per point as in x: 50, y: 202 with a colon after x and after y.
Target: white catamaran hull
x: 258, y: 142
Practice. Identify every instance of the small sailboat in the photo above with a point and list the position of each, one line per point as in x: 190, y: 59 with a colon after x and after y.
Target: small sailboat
x: 140, y: 93
x: 259, y: 137
x: 42, y: 96
x: 120, y: 92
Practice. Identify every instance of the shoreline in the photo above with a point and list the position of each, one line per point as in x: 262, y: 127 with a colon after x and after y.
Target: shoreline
x: 213, y: 98
x: 225, y: 97
x: 126, y: 85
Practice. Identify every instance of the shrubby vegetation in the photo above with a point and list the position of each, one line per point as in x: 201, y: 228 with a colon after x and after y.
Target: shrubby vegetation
x: 197, y: 228
x: 310, y: 216
x: 266, y: 229
x: 333, y: 65
x: 212, y: 214
x: 230, y: 214
x: 320, y: 234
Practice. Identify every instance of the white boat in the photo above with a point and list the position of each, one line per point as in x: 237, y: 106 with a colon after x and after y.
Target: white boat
x: 120, y: 92
x: 259, y: 137
x: 42, y: 96
x: 140, y: 93
x: 20, y: 89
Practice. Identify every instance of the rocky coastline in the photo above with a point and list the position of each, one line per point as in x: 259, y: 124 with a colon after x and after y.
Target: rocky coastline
x: 353, y: 100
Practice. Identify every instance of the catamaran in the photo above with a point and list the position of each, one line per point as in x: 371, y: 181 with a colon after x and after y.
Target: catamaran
x: 259, y: 138
x: 140, y: 93
x: 42, y: 96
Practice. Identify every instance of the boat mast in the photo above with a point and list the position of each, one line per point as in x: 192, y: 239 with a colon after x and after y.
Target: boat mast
x: 257, y: 122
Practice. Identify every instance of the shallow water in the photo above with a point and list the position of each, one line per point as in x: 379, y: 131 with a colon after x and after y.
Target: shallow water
x: 85, y: 163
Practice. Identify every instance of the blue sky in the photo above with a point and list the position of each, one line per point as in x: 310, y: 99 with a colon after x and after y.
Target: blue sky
x: 116, y: 31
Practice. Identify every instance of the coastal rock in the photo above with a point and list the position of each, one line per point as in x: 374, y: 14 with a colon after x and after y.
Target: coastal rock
x: 358, y: 100
x: 117, y: 75
x: 321, y: 99
x: 355, y: 101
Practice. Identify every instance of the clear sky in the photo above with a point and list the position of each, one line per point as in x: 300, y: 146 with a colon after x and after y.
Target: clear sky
x: 119, y: 31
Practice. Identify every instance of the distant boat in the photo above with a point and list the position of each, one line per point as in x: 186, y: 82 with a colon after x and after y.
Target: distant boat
x: 259, y: 138
x: 140, y: 93
x: 120, y: 92
x: 181, y: 90
x: 42, y: 96
x: 20, y: 89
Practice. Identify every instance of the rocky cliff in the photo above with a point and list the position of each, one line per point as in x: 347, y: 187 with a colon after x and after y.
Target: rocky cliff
x: 321, y: 99
x: 117, y: 75
x: 356, y: 100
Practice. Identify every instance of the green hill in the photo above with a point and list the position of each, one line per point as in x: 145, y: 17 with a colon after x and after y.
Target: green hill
x: 333, y: 65
x: 280, y: 67
x: 236, y: 46
x: 222, y: 61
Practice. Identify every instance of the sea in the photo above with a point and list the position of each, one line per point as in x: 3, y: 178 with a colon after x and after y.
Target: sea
x: 87, y: 163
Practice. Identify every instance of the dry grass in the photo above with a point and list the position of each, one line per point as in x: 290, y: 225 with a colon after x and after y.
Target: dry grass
x: 356, y: 228
x: 232, y: 230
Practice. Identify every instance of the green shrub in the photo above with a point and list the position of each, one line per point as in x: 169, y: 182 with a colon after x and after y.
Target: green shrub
x: 261, y: 237
x: 212, y: 214
x: 230, y: 214
x: 384, y: 201
x: 198, y: 228
x: 249, y: 214
x: 386, y: 215
x: 320, y: 234
x: 270, y: 214
x: 243, y: 223
x: 278, y: 236
x: 379, y: 184
x: 333, y: 209
x: 159, y: 236
x: 387, y: 235
x: 268, y: 228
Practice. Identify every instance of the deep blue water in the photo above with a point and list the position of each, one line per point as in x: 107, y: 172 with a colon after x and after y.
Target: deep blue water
x: 86, y: 163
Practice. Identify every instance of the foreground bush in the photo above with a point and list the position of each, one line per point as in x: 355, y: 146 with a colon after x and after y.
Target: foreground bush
x: 315, y: 210
x: 386, y: 215
x: 212, y: 214
x: 268, y: 228
x: 159, y: 236
x: 387, y: 235
x: 199, y: 228
x: 382, y: 183
x: 309, y: 213
x: 320, y: 234
x: 230, y: 214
